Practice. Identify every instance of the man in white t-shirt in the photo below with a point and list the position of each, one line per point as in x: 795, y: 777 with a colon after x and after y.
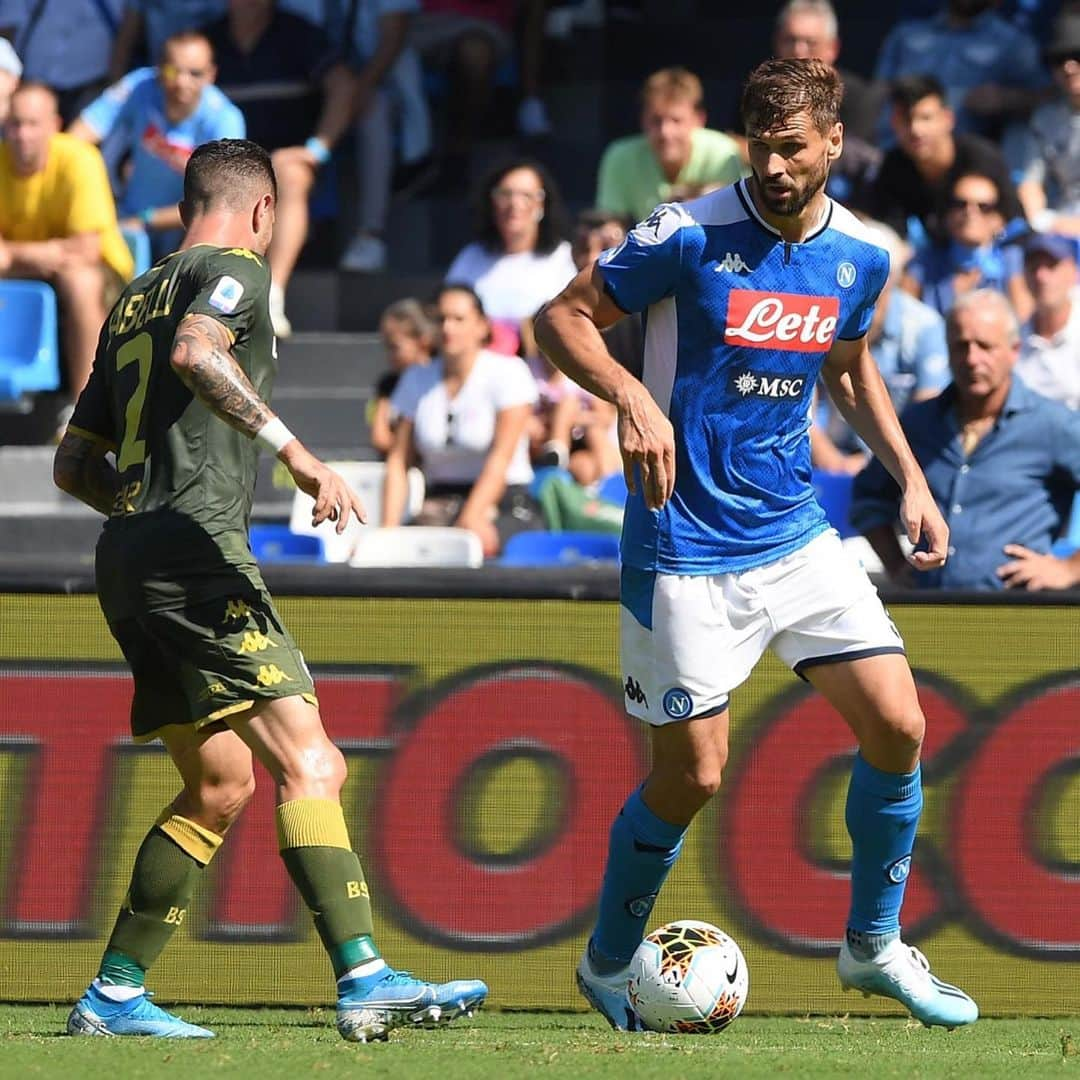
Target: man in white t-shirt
x: 1050, y: 341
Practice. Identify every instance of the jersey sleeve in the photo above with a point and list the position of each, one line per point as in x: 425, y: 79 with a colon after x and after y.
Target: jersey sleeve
x: 862, y: 314
x: 235, y: 291
x: 112, y: 107
x: 645, y: 267
x: 229, y: 123
x: 92, y: 417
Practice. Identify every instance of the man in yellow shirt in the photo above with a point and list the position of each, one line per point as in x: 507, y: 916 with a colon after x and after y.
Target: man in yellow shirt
x: 674, y: 154
x: 58, y: 221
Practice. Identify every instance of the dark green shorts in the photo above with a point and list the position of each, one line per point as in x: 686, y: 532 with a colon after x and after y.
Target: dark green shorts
x: 200, y: 664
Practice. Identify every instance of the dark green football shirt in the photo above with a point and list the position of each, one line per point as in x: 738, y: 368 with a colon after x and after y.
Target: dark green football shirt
x: 178, y: 529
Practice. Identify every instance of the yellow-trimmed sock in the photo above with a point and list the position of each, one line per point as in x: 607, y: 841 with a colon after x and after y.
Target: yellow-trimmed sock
x: 168, y: 864
x: 314, y: 841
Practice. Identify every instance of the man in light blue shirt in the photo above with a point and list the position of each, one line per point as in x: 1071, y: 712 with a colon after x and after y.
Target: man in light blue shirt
x: 162, y: 115
x: 990, y: 69
x: 1002, y: 462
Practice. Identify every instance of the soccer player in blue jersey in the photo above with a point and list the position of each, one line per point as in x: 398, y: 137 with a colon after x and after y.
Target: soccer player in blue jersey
x: 750, y: 293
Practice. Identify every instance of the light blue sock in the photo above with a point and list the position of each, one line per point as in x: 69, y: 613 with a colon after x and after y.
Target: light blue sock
x: 641, y: 851
x: 882, y: 815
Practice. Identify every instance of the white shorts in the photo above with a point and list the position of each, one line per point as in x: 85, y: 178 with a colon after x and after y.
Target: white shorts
x: 688, y: 641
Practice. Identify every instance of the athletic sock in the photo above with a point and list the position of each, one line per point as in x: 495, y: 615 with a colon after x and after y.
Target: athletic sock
x: 168, y: 865
x: 363, y: 976
x: 314, y: 844
x: 641, y: 851
x: 118, y: 993
x: 882, y: 816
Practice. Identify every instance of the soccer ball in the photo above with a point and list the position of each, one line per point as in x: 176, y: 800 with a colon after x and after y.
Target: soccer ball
x: 688, y: 976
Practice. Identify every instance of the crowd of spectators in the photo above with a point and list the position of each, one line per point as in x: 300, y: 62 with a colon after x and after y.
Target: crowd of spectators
x: 962, y: 153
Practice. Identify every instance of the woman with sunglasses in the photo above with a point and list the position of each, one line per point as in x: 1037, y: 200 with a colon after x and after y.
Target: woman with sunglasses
x: 971, y: 257
x: 520, y: 258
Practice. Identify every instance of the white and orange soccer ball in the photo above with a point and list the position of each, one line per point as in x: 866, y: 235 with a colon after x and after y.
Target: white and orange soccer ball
x: 690, y: 977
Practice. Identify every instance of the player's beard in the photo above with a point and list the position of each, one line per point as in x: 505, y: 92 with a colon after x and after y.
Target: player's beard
x: 797, y: 200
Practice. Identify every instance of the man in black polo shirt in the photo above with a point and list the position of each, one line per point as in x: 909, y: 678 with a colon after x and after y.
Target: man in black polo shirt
x: 298, y: 98
x: 918, y: 174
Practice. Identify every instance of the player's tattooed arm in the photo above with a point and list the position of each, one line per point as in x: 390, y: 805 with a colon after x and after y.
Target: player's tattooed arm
x: 81, y: 469
x: 202, y: 357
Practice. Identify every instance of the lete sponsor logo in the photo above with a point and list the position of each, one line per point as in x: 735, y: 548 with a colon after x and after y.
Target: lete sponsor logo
x: 786, y: 321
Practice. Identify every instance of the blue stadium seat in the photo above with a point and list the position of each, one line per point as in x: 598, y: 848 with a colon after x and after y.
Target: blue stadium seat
x: 559, y: 548
x: 1070, y: 542
x: 278, y: 544
x: 138, y: 242
x: 29, y: 354
x: 833, y: 491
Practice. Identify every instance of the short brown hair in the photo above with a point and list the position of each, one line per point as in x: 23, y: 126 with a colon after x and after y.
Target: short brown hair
x: 227, y: 174
x: 673, y: 84
x: 778, y: 89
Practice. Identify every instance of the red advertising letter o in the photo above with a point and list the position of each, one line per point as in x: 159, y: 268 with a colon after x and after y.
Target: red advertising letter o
x: 446, y: 894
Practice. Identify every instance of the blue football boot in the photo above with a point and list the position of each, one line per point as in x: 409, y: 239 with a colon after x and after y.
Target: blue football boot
x: 902, y: 973
x: 95, y: 1014
x: 607, y: 994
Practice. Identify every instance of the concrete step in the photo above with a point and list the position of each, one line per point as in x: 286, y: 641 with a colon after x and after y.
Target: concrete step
x: 329, y: 362
x: 331, y: 300
x: 27, y: 488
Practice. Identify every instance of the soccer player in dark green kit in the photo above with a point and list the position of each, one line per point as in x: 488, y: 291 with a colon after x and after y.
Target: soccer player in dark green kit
x: 178, y: 395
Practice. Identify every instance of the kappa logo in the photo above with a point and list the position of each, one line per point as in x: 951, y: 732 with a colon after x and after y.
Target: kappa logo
x: 767, y: 385
x: 654, y: 221
x: 732, y: 263
x: 271, y: 675
x: 255, y: 641
x: 634, y: 692
x: 237, y: 609
x: 788, y: 322
x: 678, y: 704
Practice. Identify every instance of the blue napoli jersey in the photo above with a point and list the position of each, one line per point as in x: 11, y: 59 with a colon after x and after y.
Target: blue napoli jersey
x: 737, y: 326
x: 159, y: 148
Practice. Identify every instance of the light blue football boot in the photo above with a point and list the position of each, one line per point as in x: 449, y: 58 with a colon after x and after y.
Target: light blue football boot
x: 459, y: 997
x: 902, y: 973
x: 95, y: 1014
x: 367, y: 1012
x: 607, y: 994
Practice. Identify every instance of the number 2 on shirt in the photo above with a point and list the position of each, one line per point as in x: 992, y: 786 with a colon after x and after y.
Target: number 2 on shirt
x: 138, y: 350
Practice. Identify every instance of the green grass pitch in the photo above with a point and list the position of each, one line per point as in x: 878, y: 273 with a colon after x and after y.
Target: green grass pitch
x: 271, y: 1043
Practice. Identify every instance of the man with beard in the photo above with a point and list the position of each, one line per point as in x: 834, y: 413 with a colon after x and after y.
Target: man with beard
x: 751, y: 293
